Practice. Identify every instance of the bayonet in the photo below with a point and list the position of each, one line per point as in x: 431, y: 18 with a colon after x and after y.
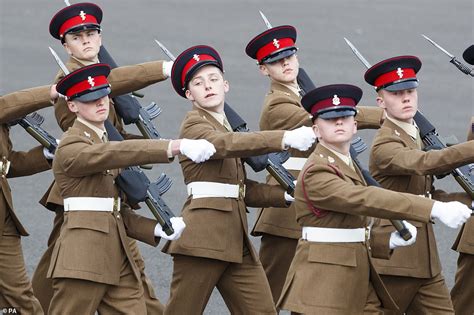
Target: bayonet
x: 60, y: 63
x: 358, y: 54
x: 67, y: 2
x: 165, y: 50
x: 464, y: 68
x: 265, y: 20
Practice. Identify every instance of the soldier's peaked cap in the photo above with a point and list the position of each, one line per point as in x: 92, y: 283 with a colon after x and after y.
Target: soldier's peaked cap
x: 86, y: 84
x: 468, y: 55
x: 272, y: 45
x: 75, y: 18
x: 189, y: 61
x: 332, y: 101
x: 394, y: 74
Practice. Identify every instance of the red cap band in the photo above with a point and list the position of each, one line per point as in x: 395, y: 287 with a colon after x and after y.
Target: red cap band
x: 330, y: 102
x: 76, y: 21
x: 395, y: 75
x: 193, y: 61
x: 86, y: 85
x: 276, y: 44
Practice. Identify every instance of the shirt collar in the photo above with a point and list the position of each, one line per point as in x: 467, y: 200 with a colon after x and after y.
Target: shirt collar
x: 100, y: 133
x: 217, y: 116
x: 410, y: 129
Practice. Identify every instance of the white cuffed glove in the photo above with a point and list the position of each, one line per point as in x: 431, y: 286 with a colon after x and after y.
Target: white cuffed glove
x: 301, y: 138
x: 396, y: 240
x: 167, y: 66
x: 48, y: 154
x: 197, y: 150
x: 453, y: 214
x: 288, y: 197
x: 178, y: 226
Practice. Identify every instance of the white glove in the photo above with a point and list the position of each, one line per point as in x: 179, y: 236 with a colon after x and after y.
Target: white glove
x: 301, y: 138
x: 396, y: 240
x: 288, y: 197
x: 453, y: 214
x: 178, y: 226
x: 167, y: 66
x: 48, y: 154
x: 197, y: 150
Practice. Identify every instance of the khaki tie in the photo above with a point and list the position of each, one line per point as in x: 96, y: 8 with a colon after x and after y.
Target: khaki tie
x: 227, y: 125
x: 105, y: 138
x: 418, y: 141
x: 351, y: 165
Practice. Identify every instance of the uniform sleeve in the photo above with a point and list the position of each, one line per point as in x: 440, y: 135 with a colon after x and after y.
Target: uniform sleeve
x: 127, y: 79
x: 283, y: 114
x: 27, y: 163
x: 380, y: 240
x: 392, y: 157
x: 19, y: 104
x: 326, y: 190
x: 369, y: 117
x: 232, y: 144
x: 78, y: 157
x: 264, y: 195
x: 139, y: 227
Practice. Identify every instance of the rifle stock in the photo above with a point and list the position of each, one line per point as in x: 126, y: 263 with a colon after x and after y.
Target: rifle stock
x: 32, y: 125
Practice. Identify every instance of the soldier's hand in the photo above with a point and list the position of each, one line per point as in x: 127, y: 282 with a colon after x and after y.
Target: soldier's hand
x: 452, y: 214
x: 167, y: 66
x: 301, y: 138
x: 396, y: 240
x: 197, y: 150
x: 178, y: 226
x: 288, y: 197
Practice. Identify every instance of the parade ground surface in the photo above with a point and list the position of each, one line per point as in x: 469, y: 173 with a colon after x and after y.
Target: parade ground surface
x: 379, y: 29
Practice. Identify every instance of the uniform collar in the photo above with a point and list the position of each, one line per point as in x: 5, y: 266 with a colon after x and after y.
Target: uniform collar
x: 345, y: 158
x: 410, y: 129
x: 275, y: 85
x: 100, y: 133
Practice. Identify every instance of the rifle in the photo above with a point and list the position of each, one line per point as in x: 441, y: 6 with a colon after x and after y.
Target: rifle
x: 357, y: 145
x: 134, y: 183
x: 464, y: 68
x: 272, y: 162
x: 464, y: 174
x: 32, y: 124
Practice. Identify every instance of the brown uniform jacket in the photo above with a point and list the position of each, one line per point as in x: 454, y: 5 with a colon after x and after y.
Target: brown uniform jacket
x: 91, y: 243
x: 465, y: 241
x: 397, y: 164
x: 122, y: 80
x: 13, y: 106
x: 217, y: 227
x: 335, y: 276
x: 282, y: 110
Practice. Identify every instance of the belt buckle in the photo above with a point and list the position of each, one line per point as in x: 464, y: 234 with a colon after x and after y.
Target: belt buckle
x: 241, y: 191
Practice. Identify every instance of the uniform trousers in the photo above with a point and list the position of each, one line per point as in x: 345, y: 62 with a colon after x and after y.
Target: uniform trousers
x: 15, y: 286
x: 419, y: 296
x: 463, y: 290
x: 243, y: 286
x: 77, y: 296
x: 276, y: 254
x: 43, y: 286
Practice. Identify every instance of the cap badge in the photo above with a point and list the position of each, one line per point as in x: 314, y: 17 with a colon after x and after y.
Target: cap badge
x: 336, y: 100
x: 91, y: 81
x: 196, y: 57
x: 276, y: 43
x: 83, y: 15
x: 400, y: 72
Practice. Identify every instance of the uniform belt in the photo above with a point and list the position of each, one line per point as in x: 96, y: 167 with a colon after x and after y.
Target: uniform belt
x: 215, y: 190
x: 295, y: 163
x: 91, y: 204
x: 329, y: 235
x: 4, y: 166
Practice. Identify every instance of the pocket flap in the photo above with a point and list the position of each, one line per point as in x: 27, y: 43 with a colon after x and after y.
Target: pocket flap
x: 97, y: 221
x: 221, y: 204
x: 333, y: 254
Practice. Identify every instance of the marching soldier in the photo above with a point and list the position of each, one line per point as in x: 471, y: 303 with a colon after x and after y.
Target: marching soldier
x: 461, y: 293
x: 215, y: 250
x: 15, y: 286
x: 78, y: 28
x: 332, y: 272
x: 412, y: 275
x: 92, y: 266
x: 275, y: 52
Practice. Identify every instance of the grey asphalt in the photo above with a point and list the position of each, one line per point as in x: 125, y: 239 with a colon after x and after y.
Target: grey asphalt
x: 380, y: 29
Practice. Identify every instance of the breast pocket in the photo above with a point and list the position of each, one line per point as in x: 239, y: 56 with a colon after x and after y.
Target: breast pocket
x: 84, y: 242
